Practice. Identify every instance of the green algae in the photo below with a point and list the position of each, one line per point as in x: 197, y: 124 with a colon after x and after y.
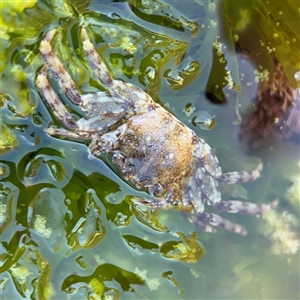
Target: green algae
x: 8, y: 141
x: 187, y: 249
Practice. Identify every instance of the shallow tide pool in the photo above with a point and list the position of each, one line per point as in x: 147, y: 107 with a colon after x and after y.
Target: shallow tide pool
x: 69, y: 229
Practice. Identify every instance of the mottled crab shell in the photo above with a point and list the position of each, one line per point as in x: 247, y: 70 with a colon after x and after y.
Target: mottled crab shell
x: 159, y: 147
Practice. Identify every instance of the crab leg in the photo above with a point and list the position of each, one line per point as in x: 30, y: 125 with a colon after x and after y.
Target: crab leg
x: 104, y: 105
x: 61, y: 132
x: 95, y: 60
x: 81, y: 127
x: 64, y: 79
x: 103, y: 110
x: 153, y: 202
x: 205, y: 227
x: 134, y: 99
x: 234, y: 206
x: 233, y: 177
x: 56, y: 106
x: 206, y: 220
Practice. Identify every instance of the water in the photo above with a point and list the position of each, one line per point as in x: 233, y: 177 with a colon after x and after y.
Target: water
x: 68, y: 227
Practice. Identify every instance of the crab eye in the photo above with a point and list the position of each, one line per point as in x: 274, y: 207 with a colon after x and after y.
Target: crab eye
x: 129, y: 171
x: 141, y: 183
x: 157, y: 190
x: 117, y: 158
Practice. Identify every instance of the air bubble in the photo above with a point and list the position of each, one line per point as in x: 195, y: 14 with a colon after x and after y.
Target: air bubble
x: 297, y: 77
x: 4, y: 170
x: 204, y: 120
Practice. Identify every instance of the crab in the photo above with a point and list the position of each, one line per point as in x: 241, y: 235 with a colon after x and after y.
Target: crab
x: 152, y: 150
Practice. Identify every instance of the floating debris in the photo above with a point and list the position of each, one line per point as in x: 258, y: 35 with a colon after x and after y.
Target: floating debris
x: 152, y: 283
x: 189, y: 109
x: 277, y: 112
x: 187, y: 249
x: 280, y: 229
x: 184, y: 77
x: 204, y: 120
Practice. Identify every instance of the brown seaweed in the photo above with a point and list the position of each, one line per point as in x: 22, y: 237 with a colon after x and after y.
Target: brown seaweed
x: 277, y: 111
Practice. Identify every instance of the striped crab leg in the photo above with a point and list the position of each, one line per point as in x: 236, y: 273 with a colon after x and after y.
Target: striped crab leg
x: 65, y: 81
